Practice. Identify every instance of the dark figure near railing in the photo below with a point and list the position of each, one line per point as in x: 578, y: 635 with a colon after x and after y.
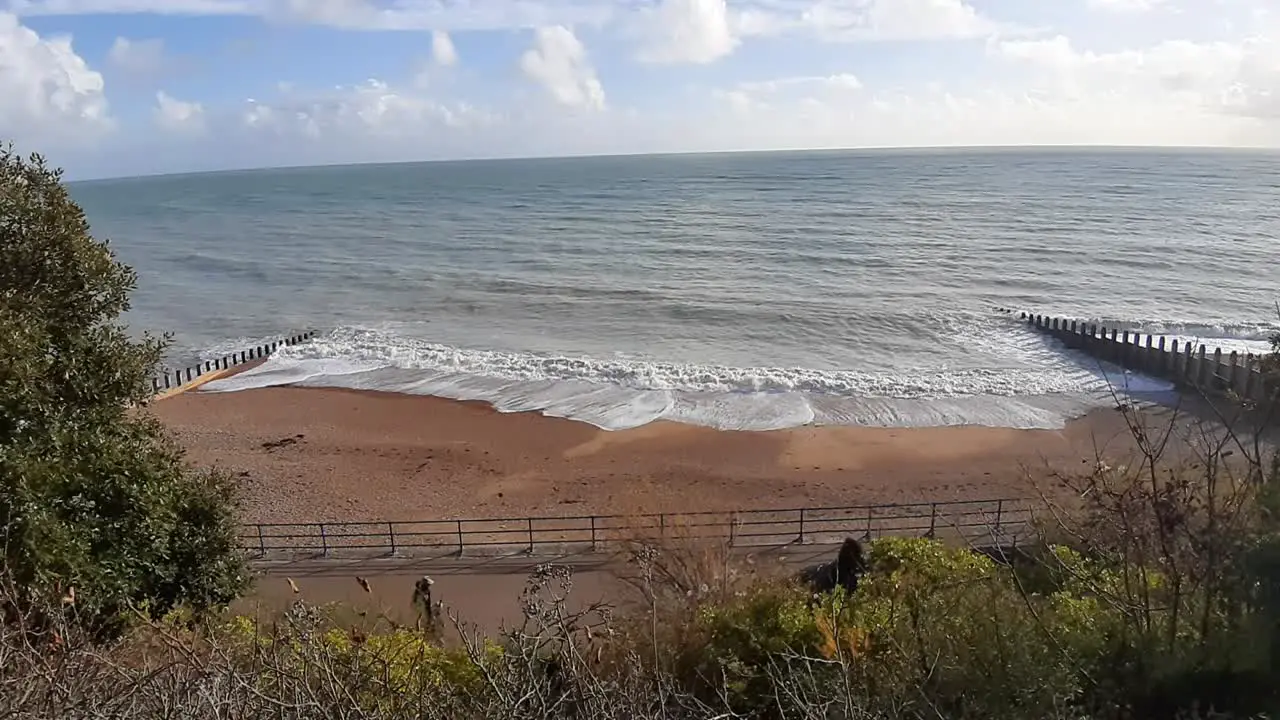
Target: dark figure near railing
x: 423, y: 603
x: 843, y: 572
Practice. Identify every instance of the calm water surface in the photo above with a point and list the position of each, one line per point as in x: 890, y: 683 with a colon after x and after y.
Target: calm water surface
x: 739, y: 291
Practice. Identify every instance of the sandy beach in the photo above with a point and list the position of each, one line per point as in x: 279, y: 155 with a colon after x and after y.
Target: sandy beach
x: 309, y: 454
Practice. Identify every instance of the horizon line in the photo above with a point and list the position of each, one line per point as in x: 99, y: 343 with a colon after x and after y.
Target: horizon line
x: 682, y: 153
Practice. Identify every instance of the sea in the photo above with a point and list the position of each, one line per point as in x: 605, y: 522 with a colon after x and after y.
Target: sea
x: 747, y: 291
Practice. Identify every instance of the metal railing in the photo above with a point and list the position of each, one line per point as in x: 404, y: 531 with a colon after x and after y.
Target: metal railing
x: 1001, y: 520
x: 172, y: 379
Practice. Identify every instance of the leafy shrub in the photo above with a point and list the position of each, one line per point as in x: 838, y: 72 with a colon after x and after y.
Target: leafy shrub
x: 94, y: 495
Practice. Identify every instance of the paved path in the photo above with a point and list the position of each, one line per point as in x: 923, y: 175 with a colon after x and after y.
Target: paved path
x: 483, y: 590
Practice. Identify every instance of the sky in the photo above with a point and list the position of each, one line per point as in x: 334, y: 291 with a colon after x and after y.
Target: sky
x: 109, y: 88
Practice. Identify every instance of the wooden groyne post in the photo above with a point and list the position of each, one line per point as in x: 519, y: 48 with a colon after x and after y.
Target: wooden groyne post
x: 172, y: 382
x: 1191, y: 365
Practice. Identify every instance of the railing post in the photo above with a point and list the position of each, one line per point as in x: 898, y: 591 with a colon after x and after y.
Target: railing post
x: 460, y: 545
x: 391, y: 533
x: 530, y: 520
x: 933, y: 520
x: 593, y: 533
x: 324, y: 540
x: 801, y: 526
x: 262, y: 542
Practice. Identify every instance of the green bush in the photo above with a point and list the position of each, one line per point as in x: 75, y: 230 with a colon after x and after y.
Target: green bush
x: 949, y: 629
x: 94, y: 495
x: 747, y: 642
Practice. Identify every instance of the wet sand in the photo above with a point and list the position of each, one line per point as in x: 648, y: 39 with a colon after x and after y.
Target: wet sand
x: 310, y: 454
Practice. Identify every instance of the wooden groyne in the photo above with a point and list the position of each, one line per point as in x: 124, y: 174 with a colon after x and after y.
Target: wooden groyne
x: 172, y: 382
x: 1188, y: 365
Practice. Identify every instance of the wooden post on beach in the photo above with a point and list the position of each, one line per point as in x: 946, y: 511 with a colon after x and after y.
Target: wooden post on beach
x: 391, y: 533
x: 866, y: 536
x: 999, y: 515
x: 1250, y: 377
x: 593, y: 533
x: 324, y: 541
x: 1213, y: 378
x: 733, y: 527
x: 1124, y: 350
x: 530, y: 519
x: 933, y: 518
x: 460, y: 545
x: 801, y: 537
x: 1162, y: 360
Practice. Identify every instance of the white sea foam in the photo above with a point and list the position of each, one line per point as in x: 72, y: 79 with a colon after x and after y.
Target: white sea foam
x: 280, y: 369
x: 615, y: 394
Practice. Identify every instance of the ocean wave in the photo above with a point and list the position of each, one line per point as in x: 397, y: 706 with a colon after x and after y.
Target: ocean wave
x: 620, y: 393
x: 381, y: 349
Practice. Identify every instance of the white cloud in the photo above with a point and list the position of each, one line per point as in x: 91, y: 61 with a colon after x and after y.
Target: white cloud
x: 905, y: 20
x: 140, y: 57
x: 442, y: 50
x: 1126, y: 6
x: 177, y: 116
x: 373, y: 109
x: 687, y: 31
x: 48, y: 93
x: 981, y: 118
x: 869, y: 20
x: 558, y: 62
x: 840, y: 81
x: 1239, y: 78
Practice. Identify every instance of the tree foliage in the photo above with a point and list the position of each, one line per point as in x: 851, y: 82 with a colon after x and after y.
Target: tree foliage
x: 94, y: 494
